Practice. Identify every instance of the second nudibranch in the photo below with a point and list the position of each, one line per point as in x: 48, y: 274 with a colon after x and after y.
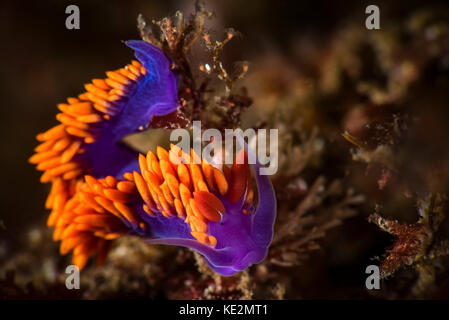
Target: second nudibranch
x: 102, y: 190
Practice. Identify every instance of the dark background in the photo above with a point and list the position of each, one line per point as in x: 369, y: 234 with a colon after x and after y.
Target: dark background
x: 42, y: 63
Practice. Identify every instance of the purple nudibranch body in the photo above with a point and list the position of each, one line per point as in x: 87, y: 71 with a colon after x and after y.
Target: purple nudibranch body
x: 102, y: 189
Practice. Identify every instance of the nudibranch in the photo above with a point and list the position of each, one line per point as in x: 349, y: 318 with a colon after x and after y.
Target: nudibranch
x: 102, y: 190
